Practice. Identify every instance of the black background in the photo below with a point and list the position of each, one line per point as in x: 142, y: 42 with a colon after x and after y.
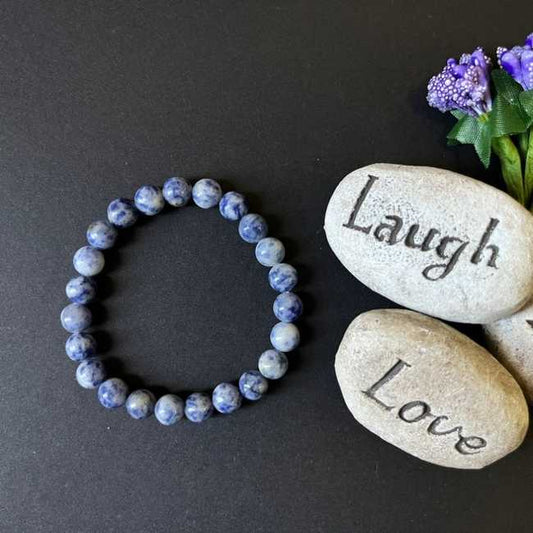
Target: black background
x: 278, y: 100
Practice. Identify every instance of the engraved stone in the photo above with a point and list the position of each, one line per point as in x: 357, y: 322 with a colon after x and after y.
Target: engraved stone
x: 434, y: 241
x: 511, y: 341
x: 429, y: 390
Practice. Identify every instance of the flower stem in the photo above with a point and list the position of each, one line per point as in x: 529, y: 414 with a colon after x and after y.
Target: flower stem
x: 511, y: 165
x: 523, y: 143
x: 528, y: 171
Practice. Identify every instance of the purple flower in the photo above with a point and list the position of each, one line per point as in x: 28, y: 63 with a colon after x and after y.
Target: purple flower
x: 463, y: 85
x: 518, y: 62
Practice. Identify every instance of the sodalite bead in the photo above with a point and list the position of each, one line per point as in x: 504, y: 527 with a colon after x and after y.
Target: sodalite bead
x: 90, y: 373
x: 253, y: 228
x: 88, y: 261
x: 112, y: 393
x: 283, y: 277
x: 285, y: 337
x: 198, y: 407
x: 76, y: 318
x: 206, y: 193
x: 140, y: 404
x: 288, y: 307
x: 81, y: 290
x: 169, y: 409
x: 226, y: 398
x: 101, y: 234
x: 149, y: 200
x: 233, y: 206
x: 177, y: 191
x: 252, y: 385
x: 80, y: 346
x: 122, y: 213
x: 270, y: 251
x: 273, y: 364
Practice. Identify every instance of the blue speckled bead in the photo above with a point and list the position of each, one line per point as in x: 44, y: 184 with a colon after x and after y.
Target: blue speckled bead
x: 88, y: 261
x: 80, y: 346
x: 122, y: 213
x: 252, y: 385
x: 206, y: 193
x: 273, y: 364
x: 169, y: 409
x: 112, y: 393
x: 233, y: 206
x: 140, y: 404
x: 198, y: 407
x: 149, y: 200
x: 76, y: 318
x: 90, y: 373
x: 101, y: 234
x: 226, y: 398
x: 81, y: 290
x: 288, y: 307
x: 253, y: 228
x: 283, y: 277
x: 270, y: 251
x: 285, y: 337
x: 177, y: 191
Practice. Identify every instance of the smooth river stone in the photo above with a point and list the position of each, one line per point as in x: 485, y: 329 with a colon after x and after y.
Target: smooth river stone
x: 433, y: 240
x: 511, y: 341
x: 429, y: 390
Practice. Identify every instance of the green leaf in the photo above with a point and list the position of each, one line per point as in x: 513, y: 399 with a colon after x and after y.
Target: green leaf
x: 526, y: 101
x: 483, y: 145
x: 472, y: 130
x: 506, y: 87
x: 506, y: 118
x: 457, y: 114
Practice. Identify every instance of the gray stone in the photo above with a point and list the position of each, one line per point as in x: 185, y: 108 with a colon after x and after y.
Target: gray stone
x: 433, y: 240
x: 429, y: 390
x: 511, y: 341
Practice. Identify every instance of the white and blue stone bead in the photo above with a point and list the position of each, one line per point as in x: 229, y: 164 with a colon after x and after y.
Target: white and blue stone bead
x: 76, y: 318
x: 233, y: 206
x: 283, y: 277
x: 206, y: 193
x: 226, y: 398
x: 284, y: 337
x: 288, y: 307
x: 169, y: 409
x: 122, y: 213
x: 81, y: 290
x: 177, y: 192
x: 80, y: 346
x: 198, y: 407
x: 149, y: 200
x: 273, y: 364
x: 270, y: 251
x: 252, y: 385
x: 90, y: 373
x: 253, y: 228
x: 101, y: 234
x: 112, y: 393
x: 140, y: 404
x: 88, y: 261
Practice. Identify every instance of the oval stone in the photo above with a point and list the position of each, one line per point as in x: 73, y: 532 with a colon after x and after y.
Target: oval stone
x: 429, y: 390
x: 433, y: 240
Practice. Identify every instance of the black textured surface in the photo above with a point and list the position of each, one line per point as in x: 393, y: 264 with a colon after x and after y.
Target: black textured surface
x: 279, y: 100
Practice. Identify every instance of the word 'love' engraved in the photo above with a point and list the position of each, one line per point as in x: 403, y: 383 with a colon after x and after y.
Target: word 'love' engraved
x: 446, y: 247
x: 415, y: 411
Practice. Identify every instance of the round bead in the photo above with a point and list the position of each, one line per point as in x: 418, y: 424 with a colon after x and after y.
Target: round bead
x: 88, y: 261
x: 140, y: 404
x: 80, y: 346
x: 252, y: 385
x: 283, y: 277
x: 177, y: 191
x: 233, y: 206
x: 198, y: 407
x: 253, y: 228
x: 81, y: 290
x: 169, y: 409
x: 122, y: 213
x: 101, y: 234
x: 112, y: 393
x: 273, y: 364
x: 149, y: 200
x: 285, y: 337
x: 206, y: 193
x: 90, y: 373
x: 226, y: 398
x: 270, y: 251
x: 76, y: 318
x: 288, y: 307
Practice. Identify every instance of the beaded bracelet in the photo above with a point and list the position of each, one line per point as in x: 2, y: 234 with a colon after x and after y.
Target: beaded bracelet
x: 89, y: 262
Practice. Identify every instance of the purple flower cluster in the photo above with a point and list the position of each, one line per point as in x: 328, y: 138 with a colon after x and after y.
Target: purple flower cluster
x: 463, y: 85
x: 518, y: 62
